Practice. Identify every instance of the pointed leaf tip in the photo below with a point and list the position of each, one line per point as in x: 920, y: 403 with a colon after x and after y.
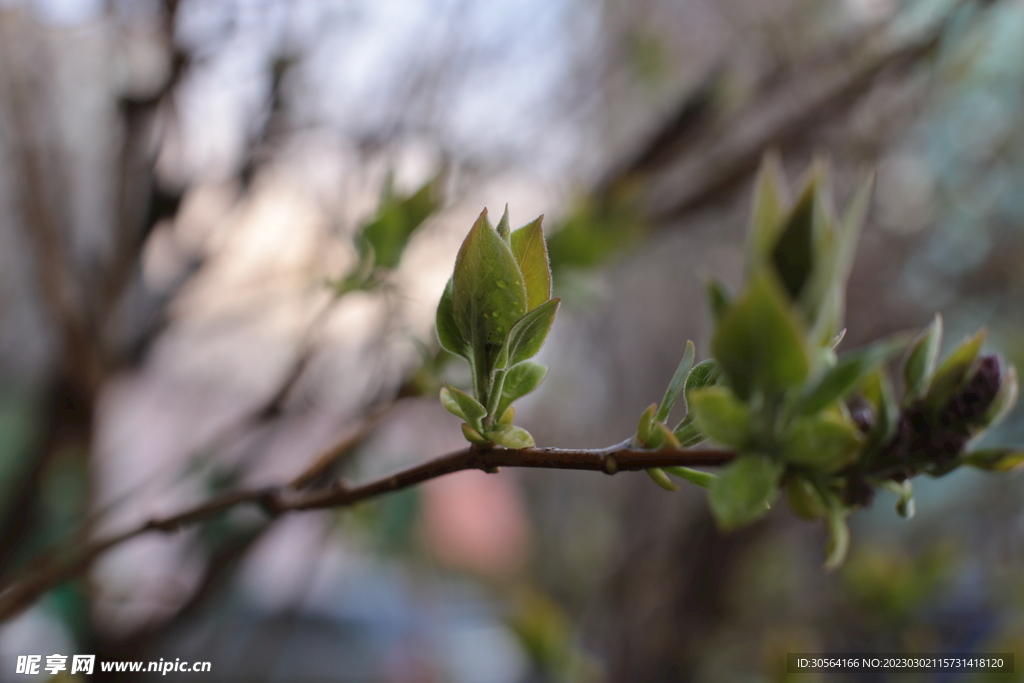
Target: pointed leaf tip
x: 919, y: 365
x: 531, y: 254
x: 488, y: 293
x: 528, y: 334
x: 676, y: 384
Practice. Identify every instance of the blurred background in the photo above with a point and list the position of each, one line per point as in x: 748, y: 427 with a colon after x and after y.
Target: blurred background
x: 225, y: 225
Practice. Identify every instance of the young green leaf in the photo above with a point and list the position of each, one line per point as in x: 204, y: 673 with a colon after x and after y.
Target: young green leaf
x: 473, y: 436
x: 471, y: 409
x: 507, y: 417
x: 838, y: 535
x: 398, y: 218
x: 488, y: 294
x: 531, y: 254
x: 803, y: 497
x: 704, y: 374
x: 719, y: 300
x: 953, y: 372
x: 450, y: 404
x: 995, y: 459
x: 835, y: 382
x: 877, y: 390
x: 823, y: 301
x: 448, y: 332
x: 759, y: 342
x: 744, y: 489
x: 530, y: 331
x: 921, y: 358
x: 661, y: 479
x: 520, y: 380
x: 793, y: 253
x: 645, y: 425
x: 511, y: 437
x: 695, y: 477
x: 825, y: 442
x: 662, y: 437
x: 687, y: 433
x: 849, y: 231
x: 676, y: 384
x: 769, y: 208
x: 721, y: 417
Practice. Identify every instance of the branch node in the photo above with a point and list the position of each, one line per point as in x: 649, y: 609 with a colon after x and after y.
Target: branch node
x: 611, y: 465
x: 490, y: 469
x: 269, y: 501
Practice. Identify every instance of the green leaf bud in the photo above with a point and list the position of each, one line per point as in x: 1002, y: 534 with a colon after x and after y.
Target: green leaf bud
x: 645, y: 426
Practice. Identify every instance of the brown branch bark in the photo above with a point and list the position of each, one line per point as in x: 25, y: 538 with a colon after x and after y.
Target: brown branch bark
x: 25, y: 589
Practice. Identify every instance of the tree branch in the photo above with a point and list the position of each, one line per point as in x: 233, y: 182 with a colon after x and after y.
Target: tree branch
x: 24, y: 589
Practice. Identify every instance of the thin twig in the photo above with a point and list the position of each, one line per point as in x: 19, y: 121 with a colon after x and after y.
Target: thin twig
x: 23, y: 590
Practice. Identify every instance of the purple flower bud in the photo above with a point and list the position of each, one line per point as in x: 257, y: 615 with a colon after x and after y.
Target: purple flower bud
x: 967, y: 407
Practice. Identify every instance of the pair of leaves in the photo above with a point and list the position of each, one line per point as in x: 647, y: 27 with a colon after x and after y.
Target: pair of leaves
x: 652, y: 432
x: 804, y: 245
x: 704, y: 374
x: 519, y: 381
